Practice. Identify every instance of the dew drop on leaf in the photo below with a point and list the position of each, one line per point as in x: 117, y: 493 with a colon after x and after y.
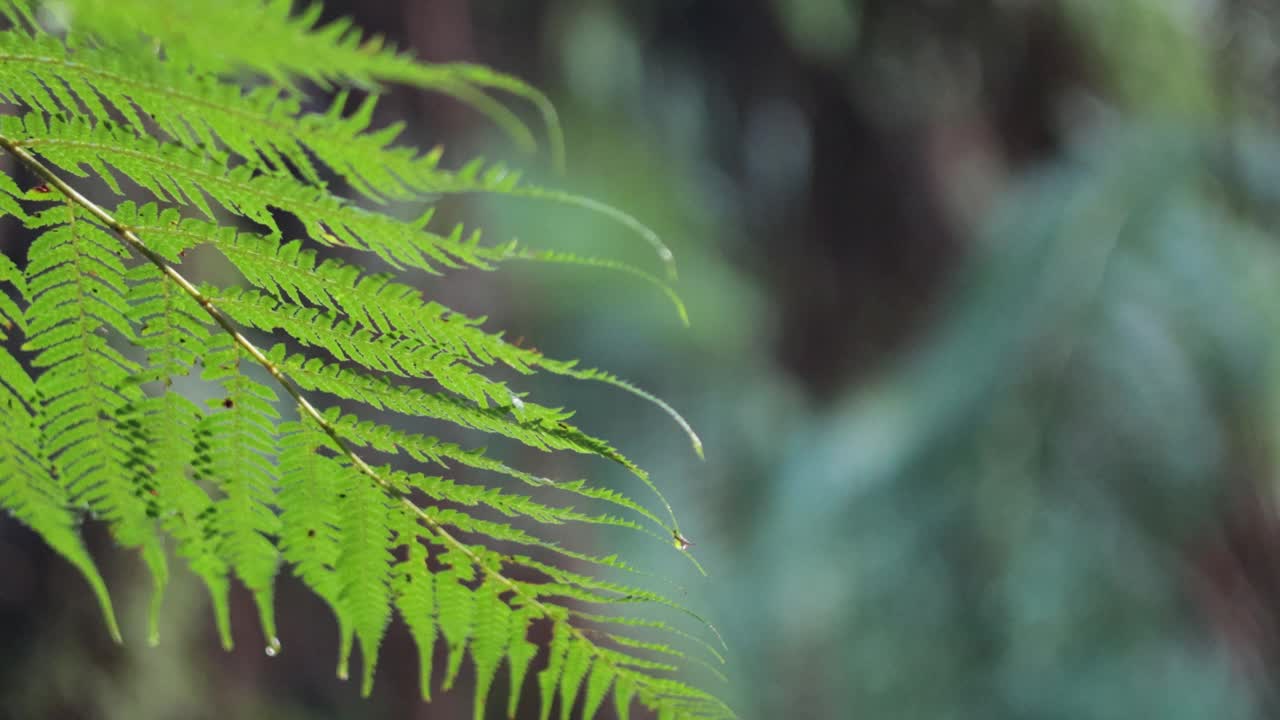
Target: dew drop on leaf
x: 273, y: 648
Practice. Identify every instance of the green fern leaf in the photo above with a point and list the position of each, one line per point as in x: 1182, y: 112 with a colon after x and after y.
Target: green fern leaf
x: 577, y: 662
x: 101, y: 422
x: 414, y: 588
x: 520, y: 654
x: 284, y: 46
x: 310, y: 522
x: 75, y: 279
x: 457, y: 608
x: 235, y: 444
x: 549, y: 679
x: 493, y: 618
x: 624, y: 689
x: 364, y: 567
x: 597, y: 687
x: 174, y: 336
x: 28, y: 489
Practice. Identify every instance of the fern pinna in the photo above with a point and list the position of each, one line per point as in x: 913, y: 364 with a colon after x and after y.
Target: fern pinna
x: 110, y: 331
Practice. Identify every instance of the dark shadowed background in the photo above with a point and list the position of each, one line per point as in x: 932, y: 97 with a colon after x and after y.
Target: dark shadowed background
x: 983, y: 297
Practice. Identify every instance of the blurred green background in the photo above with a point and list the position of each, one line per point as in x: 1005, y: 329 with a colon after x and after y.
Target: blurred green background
x: 984, y: 298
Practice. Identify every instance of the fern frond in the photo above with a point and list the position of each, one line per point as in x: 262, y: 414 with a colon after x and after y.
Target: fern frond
x: 293, y: 274
x: 175, y: 174
x: 456, y: 607
x: 413, y: 589
x: 27, y: 486
x: 546, y: 430
x: 30, y: 492
x: 491, y: 638
x: 443, y: 489
x: 165, y: 429
x: 102, y: 422
x: 670, y: 696
x: 236, y: 446
x: 428, y: 449
x: 346, y: 341
x: 284, y: 46
x: 310, y: 523
x: 265, y: 127
x: 76, y: 286
x: 364, y: 565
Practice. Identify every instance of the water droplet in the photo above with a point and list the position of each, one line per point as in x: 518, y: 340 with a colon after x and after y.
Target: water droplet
x: 681, y: 541
x: 517, y: 403
x: 273, y: 647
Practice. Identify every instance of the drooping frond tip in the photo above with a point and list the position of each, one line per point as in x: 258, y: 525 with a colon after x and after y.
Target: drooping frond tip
x: 555, y: 257
x: 665, y: 256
